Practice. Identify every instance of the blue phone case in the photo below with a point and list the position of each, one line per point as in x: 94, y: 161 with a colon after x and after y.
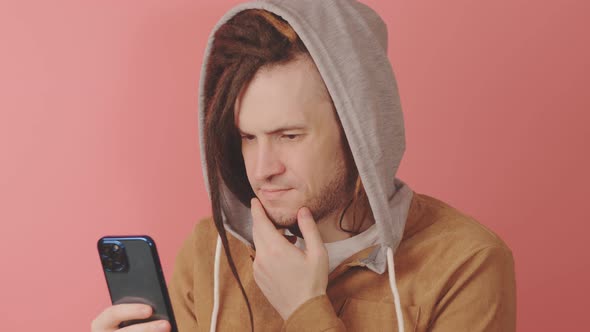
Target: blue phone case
x: 133, y: 274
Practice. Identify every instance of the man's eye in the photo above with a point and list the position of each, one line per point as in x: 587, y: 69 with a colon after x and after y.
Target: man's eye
x: 290, y: 137
x: 247, y: 137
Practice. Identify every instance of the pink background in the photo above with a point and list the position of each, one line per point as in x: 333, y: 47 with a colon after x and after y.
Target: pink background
x: 98, y: 135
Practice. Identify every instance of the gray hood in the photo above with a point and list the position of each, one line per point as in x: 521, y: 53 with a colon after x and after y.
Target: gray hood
x: 348, y: 43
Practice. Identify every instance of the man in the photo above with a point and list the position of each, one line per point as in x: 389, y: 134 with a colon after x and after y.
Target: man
x: 302, y: 134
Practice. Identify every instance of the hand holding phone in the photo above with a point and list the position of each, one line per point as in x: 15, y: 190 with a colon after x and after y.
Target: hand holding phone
x: 110, y: 319
x: 136, y: 285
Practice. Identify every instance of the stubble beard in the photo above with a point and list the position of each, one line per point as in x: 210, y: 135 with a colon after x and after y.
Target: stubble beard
x: 331, y: 199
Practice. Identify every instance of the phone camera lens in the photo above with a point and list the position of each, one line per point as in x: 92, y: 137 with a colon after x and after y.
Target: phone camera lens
x: 113, y: 257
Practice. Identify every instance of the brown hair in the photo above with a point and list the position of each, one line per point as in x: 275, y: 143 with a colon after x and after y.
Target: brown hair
x: 250, y: 40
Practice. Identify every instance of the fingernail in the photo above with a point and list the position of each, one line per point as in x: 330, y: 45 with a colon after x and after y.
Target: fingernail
x: 146, y: 311
x: 162, y: 326
x: 304, y: 212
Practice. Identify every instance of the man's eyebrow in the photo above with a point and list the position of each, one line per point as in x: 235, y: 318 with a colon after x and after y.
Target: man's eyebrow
x: 278, y: 130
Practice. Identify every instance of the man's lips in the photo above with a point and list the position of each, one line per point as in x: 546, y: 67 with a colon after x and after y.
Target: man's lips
x: 273, y: 193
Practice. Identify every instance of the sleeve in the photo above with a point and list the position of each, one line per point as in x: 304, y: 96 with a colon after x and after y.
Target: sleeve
x: 480, y: 296
x: 316, y: 314
x: 181, y: 287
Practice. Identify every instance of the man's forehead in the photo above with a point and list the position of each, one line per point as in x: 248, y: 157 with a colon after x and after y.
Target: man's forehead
x: 268, y: 119
x: 281, y: 96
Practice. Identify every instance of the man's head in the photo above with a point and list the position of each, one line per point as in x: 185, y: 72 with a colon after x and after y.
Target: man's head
x: 261, y: 78
x: 292, y: 142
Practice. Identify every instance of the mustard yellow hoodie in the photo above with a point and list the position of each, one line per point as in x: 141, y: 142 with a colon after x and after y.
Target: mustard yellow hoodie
x: 452, y: 273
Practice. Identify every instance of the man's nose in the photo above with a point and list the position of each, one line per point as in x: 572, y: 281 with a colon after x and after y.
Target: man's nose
x: 268, y: 163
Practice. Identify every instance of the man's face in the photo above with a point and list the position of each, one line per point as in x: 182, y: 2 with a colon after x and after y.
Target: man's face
x: 291, y: 143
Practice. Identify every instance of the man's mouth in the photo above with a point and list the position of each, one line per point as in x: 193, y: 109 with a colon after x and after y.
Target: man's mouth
x: 273, y: 193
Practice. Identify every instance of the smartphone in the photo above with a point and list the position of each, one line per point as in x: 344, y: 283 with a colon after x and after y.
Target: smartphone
x: 133, y: 274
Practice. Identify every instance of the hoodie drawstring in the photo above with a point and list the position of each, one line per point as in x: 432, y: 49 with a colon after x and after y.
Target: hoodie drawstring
x: 216, y: 286
x: 392, y: 285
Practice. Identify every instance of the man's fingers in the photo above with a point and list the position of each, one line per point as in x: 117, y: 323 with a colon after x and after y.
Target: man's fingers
x: 256, y: 216
x: 156, y: 326
x: 112, y: 316
x: 264, y: 231
x: 309, y: 230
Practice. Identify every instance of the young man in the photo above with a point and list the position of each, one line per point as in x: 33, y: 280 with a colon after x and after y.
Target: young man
x: 302, y: 134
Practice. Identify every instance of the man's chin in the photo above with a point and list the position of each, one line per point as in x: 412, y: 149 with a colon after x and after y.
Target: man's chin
x: 284, y: 219
x: 283, y: 223
x: 288, y: 223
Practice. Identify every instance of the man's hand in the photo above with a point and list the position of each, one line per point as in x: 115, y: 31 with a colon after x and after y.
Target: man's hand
x: 287, y: 275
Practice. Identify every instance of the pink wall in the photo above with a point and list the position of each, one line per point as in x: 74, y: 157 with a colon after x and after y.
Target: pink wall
x: 98, y: 134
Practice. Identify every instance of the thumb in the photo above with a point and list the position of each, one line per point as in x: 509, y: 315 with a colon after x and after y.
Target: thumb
x: 309, y: 230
